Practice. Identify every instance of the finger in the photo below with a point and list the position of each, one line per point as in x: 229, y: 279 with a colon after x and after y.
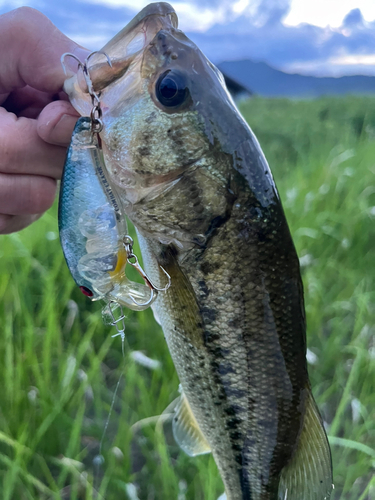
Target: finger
x: 34, y: 48
x: 56, y: 123
x: 13, y: 223
x: 24, y: 152
x: 26, y: 194
x: 28, y: 102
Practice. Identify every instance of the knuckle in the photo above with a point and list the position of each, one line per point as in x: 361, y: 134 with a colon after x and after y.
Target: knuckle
x: 10, y: 148
x: 41, y: 196
x: 5, y: 223
x: 26, y: 194
x: 27, y: 14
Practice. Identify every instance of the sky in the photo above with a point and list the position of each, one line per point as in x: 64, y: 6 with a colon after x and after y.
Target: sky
x: 312, y: 37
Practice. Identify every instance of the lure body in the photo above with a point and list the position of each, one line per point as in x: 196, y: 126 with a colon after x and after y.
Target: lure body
x: 91, y: 226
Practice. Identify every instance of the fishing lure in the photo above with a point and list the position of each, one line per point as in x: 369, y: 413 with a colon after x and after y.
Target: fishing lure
x: 92, y: 224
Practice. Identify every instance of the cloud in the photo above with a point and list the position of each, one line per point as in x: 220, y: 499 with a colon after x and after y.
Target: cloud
x: 288, y: 47
x: 353, y: 19
x: 229, y: 29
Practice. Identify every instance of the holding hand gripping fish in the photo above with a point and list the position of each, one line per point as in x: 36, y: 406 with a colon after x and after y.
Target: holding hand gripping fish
x: 191, y: 176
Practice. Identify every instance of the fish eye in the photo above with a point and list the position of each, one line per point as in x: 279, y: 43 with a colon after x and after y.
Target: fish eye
x: 171, y: 88
x: 86, y: 291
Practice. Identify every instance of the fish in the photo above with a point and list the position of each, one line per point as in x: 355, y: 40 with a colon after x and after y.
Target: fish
x: 192, y: 178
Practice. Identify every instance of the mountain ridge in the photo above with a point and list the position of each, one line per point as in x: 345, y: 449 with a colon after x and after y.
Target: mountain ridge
x: 262, y: 79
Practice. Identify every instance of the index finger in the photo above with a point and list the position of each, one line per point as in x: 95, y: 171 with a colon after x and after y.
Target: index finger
x: 31, y: 50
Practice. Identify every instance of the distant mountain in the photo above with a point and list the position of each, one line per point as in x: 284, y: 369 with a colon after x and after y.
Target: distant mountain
x: 262, y: 79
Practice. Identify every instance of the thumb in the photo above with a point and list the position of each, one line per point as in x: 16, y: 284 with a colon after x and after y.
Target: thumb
x: 32, y: 47
x: 56, y: 122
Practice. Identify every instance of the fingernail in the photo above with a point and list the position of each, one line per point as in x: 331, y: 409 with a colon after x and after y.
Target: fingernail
x: 61, y: 134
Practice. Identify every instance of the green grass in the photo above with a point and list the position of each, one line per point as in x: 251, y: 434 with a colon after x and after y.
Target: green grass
x: 60, y: 365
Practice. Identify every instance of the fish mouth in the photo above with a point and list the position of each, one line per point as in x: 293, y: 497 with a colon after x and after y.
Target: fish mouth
x: 123, y: 48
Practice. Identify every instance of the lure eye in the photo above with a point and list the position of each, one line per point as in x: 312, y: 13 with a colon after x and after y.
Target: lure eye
x: 171, y: 88
x: 86, y: 291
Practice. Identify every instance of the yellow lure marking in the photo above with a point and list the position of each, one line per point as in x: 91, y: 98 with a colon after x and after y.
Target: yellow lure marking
x: 120, y: 265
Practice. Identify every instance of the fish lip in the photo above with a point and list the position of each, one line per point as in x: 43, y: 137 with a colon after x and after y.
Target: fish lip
x: 153, y: 9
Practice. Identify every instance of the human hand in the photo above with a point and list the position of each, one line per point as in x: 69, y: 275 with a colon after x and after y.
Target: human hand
x: 36, y: 120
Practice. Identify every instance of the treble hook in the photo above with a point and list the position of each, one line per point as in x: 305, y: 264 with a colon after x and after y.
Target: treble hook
x: 143, y: 304
x: 138, y: 267
x: 96, y: 112
x: 62, y: 60
x: 132, y: 259
x: 85, y: 70
x: 128, y: 245
x: 83, y: 65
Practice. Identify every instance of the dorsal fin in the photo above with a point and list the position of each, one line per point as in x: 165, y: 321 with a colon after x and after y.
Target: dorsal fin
x: 308, y: 475
x: 186, y: 430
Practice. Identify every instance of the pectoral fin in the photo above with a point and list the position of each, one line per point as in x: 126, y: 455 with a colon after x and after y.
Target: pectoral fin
x: 308, y: 475
x: 186, y: 430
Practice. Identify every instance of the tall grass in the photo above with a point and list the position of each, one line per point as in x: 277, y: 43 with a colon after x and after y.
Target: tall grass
x: 60, y: 365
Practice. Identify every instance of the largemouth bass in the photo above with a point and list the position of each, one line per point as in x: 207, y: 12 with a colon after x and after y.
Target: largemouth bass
x: 193, y: 180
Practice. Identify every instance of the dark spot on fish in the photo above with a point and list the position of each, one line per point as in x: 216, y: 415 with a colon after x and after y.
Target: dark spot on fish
x: 208, y: 315
x: 216, y: 223
x: 204, y: 288
x: 144, y: 151
x: 235, y: 435
x: 230, y: 411
x: 232, y: 423
x: 225, y: 369
x: 209, y: 338
x: 236, y: 393
x: 210, y: 267
x: 238, y: 459
x: 239, y: 409
x: 245, y: 484
x: 216, y: 352
x: 235, y: 322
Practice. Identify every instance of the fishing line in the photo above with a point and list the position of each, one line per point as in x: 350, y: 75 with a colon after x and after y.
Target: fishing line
x: 119, y: 323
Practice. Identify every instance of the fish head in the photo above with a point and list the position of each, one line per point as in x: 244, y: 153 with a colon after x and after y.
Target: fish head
x: 170, y: 128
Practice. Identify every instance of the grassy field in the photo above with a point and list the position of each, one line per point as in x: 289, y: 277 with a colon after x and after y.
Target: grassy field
x: 60, y: 365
